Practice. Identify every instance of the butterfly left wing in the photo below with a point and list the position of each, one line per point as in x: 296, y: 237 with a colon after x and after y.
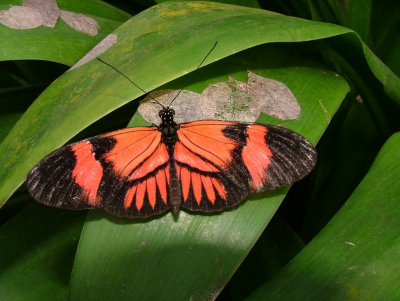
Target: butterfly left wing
x: 125, y: 171
x: 219, y: 163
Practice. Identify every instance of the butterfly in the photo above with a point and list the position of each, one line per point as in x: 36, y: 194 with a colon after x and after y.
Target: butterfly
x: 204, y: 165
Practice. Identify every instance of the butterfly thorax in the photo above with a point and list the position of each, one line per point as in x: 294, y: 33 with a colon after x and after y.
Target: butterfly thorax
x: 168, y: 127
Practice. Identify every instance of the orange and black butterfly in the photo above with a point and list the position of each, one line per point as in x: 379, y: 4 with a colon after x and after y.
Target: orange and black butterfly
x: 205, y: 165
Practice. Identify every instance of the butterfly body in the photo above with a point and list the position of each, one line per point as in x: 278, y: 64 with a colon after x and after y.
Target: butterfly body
x: 205, y: 165
x: 169, y: 128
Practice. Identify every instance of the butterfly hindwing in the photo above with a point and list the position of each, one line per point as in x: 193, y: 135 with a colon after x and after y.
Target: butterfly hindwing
x: 136, y: 177
x: 142, y: 192
x: 220, y: 163
x: 125, y: 171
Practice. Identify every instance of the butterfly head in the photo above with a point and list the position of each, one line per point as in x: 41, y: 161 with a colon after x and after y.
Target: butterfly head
x: 167, y: 115
x: 168, y: 126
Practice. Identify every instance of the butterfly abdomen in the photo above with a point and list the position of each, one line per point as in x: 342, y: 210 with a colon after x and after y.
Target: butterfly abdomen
x: 174, y: 188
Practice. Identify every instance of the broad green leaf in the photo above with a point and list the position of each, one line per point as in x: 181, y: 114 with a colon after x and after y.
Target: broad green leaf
x: 15, y: 204
x: 384, y: 38
x: 277, y: 245
x: 14, y: 102
x: 359, y: 18
x: 356, y: 255
x: 169, y: 251
x: 62, y: 43
x: 324, y: 11
x: 37, y: 255
x: 246, y: 3
x: 354, y: 141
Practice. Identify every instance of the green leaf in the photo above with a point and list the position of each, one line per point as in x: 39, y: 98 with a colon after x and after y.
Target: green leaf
x: 246, y: 3
x: 354, y: 141
x: 37, y: 255
x: 67, y: 44
x: 384, y: 39
x: 355, y: 257
x: 199, y: 253
x: 274, y: 249
x: 359, y: 18
x: 14, y: 102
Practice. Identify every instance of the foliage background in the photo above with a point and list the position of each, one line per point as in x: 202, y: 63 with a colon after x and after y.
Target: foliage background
x: 334, y: 237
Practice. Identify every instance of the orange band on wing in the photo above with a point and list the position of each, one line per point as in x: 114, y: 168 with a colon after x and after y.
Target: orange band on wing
x: 183, y: 155
x: 133, y: 146
x: 151, y: 191
x: 148, y: 186
x: 87, y: 172
x: 209, y: 188
x: 155, y: 159
x: 167, y: 173
x: 207, y: 141
x: 185, y: 182
x: 129, y: 197
x: 256, y: 155
x: 141, y: 191
x: 220, y: 188
x: 196, y: 184
x: 161, y: 180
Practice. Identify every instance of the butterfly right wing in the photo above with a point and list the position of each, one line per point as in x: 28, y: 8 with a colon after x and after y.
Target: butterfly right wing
x: 211, y: 172
x: 220, y: 162
x: 126, y: 172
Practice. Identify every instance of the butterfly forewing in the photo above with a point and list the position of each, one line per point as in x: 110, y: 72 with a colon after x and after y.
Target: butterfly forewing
x: 52, y: 183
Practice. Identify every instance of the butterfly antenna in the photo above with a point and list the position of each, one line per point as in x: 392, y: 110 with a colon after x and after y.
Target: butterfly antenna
x: 193, y: 73
x: 145, y: 92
